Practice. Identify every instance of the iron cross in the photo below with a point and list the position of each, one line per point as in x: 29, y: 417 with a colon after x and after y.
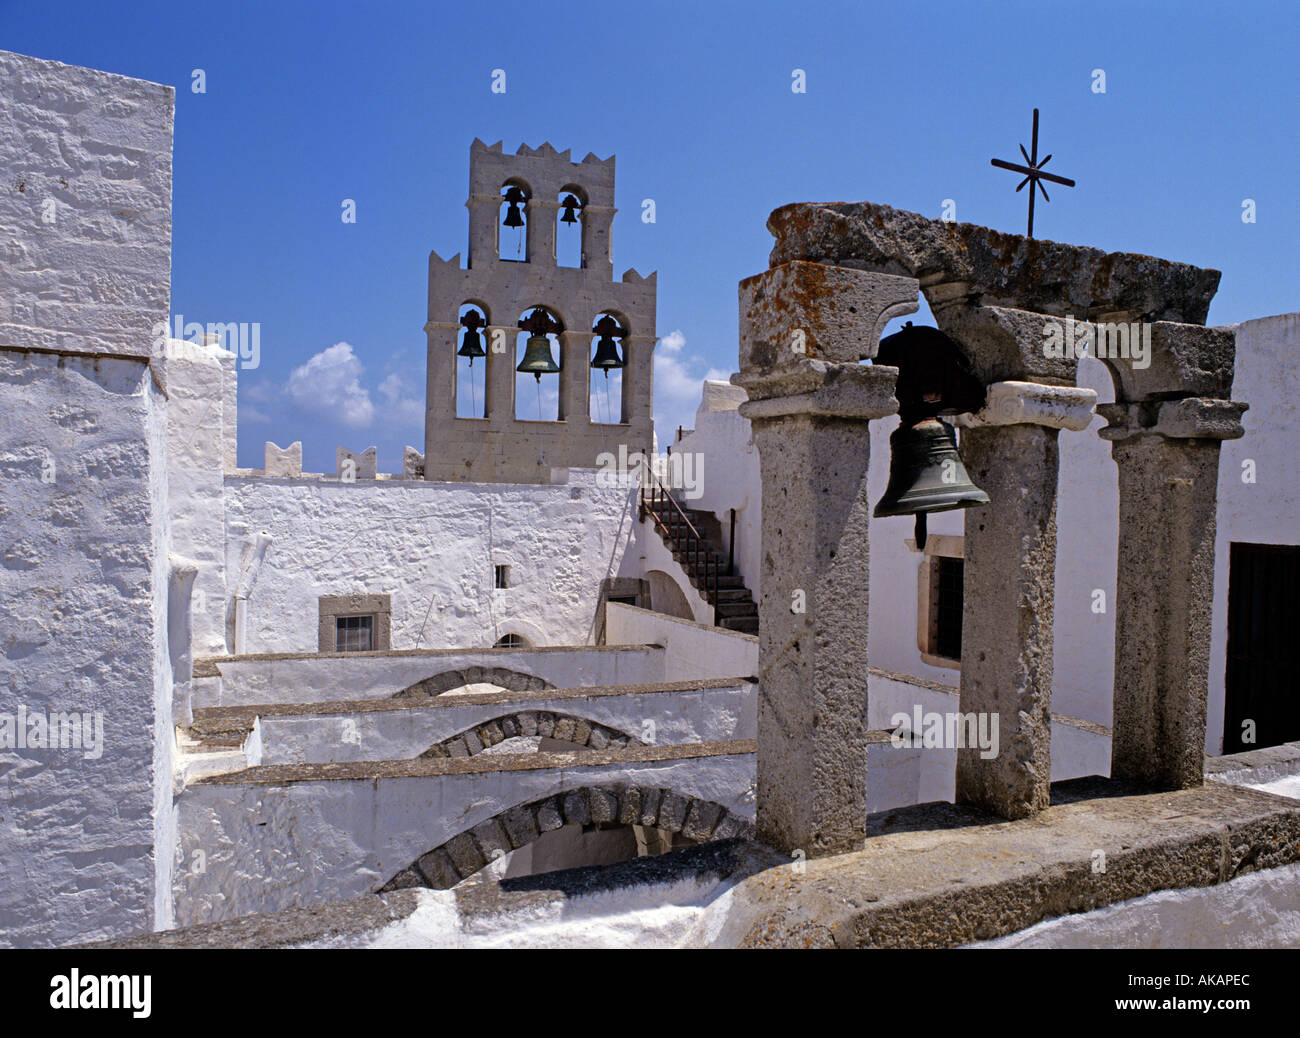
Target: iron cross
x: 1034, y: 175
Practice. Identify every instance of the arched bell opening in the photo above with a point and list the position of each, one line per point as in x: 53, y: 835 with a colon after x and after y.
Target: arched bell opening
x: 569, y: 226
x: 470, y: 378
x: 608, y: 363
x: 513, y: 220
x: 936, y: 383
x: 539, y: 357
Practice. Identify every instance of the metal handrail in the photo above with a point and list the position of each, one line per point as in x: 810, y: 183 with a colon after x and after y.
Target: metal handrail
x: 677, y: 519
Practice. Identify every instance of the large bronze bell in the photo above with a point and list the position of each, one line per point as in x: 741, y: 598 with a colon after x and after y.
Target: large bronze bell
x: 925, y: 471
x: 569, y: 204
x: 538, y: 360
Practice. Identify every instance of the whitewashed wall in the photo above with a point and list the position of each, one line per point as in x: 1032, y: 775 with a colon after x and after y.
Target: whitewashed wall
x: 1268, y: 510
x: 432, y: 547
x: 691, y: 650
x: 85, y: 217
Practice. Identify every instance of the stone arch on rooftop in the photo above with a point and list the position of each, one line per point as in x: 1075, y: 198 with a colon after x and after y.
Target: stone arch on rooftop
x: 549, y: 724
x: 504, y: 677
x: 460, y: 857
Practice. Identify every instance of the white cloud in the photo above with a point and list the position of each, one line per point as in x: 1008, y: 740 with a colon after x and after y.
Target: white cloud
x: 400, y: 409
x: 329, y: 386
x: 677, y: 387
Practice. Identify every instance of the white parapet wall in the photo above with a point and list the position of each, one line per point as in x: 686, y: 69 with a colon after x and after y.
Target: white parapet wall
x: 433, y: 548
x: 663, y: 714
x: 329, y: 832
x: 339, y: 677
x: 87, y: 833
x: 692, y: 650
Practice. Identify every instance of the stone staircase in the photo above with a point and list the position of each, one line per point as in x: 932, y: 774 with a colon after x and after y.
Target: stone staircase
x: 694, y: 536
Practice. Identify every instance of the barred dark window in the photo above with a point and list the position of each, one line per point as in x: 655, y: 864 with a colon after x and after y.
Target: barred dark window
x: 354, y: 634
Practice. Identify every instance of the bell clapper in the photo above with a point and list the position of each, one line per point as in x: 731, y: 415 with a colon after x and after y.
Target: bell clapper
x: 920, y: 531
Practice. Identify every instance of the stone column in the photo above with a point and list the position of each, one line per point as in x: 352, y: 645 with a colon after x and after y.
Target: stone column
x: 803, y: 329
x: 1168, y: 489
x: 1010, y: 451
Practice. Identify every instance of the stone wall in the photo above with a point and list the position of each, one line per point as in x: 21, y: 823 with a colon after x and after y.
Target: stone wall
x: 86, y: 835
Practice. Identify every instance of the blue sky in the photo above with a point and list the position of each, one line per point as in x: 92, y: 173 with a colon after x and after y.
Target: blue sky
x: 308, y: 104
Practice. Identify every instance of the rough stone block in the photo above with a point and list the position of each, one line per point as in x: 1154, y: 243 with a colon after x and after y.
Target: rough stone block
x: 672, y: 812
x: 473, y: 743
x: 283, y: 461
x: 701, y: 819
x: 597, y: 740
x: 438, y: 869
x: 602, y: 805
x: 565, y: 728
x: 528, y: 724
x: 629, y: 805
x: 492, y: 839
x: 362, y: 465
x: 520, y: 824
x: 728, y: 827
x: 490, y: 734
x: 548, y: 815
x: 576, y: 809
x: 651, y: 797
x: 412, y: 464
x: 545, y: 724
x: 509, y: 727
x: 457, y: 747
x: 802, y: 309
x: 581, y: 732
x: 465, y: 854
x: 404, y: 880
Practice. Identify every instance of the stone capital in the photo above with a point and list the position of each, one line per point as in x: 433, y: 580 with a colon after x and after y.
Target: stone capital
x: 808, y: 310
x: 1192, y: 418
x: 813, y: 387
x: 1033, y: 403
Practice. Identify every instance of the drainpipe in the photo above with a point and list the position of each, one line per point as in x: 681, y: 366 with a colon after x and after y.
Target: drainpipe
x: 253, y: 556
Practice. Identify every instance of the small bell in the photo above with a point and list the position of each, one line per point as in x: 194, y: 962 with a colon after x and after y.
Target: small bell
x: 607, y: 356
x: 515, y: 197
x: 472, y: 345
x: 569, y: 204
x: 926, y: 474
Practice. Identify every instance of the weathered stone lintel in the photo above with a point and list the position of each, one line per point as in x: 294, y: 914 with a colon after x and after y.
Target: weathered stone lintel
x: 1192, y: 418
x: 1032, y: 403
x: 814, y: 387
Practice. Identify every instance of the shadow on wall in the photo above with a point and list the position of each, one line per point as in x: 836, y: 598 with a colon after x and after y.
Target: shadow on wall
x: 667, y: 597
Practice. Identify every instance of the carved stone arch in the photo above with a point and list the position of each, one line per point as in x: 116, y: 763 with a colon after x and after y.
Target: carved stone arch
x: 513, y: 680
x: 549, y: 724
x: 447, y: 864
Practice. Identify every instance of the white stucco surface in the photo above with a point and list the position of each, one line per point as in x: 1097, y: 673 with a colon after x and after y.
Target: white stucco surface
x: 691, y: 650
x: 85, y: 841
x: 432, y: 547
x: 253, y: 680
x: 659, y: 717
x: 266, y: 847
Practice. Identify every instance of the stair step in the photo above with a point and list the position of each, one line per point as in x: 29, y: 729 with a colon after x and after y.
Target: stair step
x: 742, y: 624
x: 736, y: 609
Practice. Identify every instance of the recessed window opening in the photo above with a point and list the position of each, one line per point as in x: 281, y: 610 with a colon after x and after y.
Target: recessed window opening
x: 354, y: 633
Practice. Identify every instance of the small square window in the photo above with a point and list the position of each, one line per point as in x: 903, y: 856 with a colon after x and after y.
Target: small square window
x: 354, y: 634
x: 501, y: 576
